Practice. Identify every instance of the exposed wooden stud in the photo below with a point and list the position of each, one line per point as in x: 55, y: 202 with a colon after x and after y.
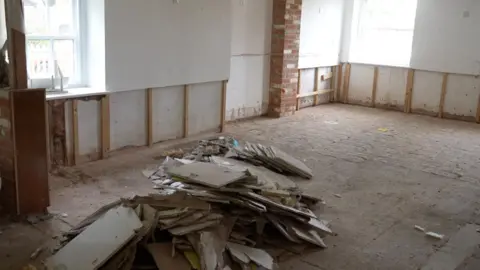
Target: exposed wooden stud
x: 327, y: 76
x: 149, y: 119
x: 297, y: 107
x: 374, y: 86
x: 346, y: 83
x: 315, y: 88
x: 478, y: 110
x: 316, y: 93
x: 443, y: 95
x: 105, y: 126
x: 409, y: 91
x: 186, y: 90
x: 224, y: 106
x: 338, y: 84
x: 74, y: 133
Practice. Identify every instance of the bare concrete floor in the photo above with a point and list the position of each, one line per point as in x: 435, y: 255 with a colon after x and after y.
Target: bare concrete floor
x: 380, y: 172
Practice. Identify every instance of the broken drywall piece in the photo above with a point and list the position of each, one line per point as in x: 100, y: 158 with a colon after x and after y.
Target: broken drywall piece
x: 419, y: 228
x: 161, y: 253
x: 256, y: 255
x: 435, y: 235
x: 97, y: 243
x: 207, y: 174
x: 192, y: 228
x: 148, y: 173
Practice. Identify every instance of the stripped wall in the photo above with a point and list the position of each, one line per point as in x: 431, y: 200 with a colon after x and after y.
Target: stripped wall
x: 461, y: 97
x: 128, y: 117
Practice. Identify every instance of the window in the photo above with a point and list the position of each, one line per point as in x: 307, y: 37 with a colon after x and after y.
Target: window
x: 51, y: 28
x: 383, y: 32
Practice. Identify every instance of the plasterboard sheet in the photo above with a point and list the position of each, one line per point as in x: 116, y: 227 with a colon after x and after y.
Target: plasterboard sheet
x: 320, y: 34
x: 427, y: 88
x: 462, y: 96
x: 88, y: 127
x: 167, y: 113
x: 447, y: 36
x: 361, y: 83
x: 204, y: 107
x: 128, y: 119
x: 247, y: 92
x: 99, y: 242
x: 391, y: 86
x: 153, y: 43
x: 251, y: 27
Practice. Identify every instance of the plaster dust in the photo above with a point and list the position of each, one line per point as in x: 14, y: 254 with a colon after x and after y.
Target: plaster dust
x: 418, y: 171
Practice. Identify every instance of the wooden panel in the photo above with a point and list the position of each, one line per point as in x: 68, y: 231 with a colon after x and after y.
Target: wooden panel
x: 443, y: 95
x: 31, y: 152
x: 74, y: 140
x: 338, y: 85
x: 409, y: 91
x: 105, y: 126
x: 149, y: 119
x: 374, y: 86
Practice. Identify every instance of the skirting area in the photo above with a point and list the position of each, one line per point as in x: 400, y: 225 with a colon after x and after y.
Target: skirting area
x: 380, y: 172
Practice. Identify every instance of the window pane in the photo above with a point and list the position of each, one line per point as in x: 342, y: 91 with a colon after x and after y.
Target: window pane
x: 65, y: 55
x: 35, y: 17
x: 39, y: 59
x: 61, y: 17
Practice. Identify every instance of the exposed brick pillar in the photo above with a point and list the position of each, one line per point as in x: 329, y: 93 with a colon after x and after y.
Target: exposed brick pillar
x: 284, y: 57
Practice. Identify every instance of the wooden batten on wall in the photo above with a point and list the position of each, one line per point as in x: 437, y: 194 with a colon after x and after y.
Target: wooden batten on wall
x: 329, y: 76
x: 374, y: 86
x: 223, y: 106
x: 105, y: 126
x: 409, y: 91
x: 346, y: 82
x: 443, y: 94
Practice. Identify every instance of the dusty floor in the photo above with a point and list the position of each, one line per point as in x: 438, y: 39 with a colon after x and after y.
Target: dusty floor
x: 378, y: 184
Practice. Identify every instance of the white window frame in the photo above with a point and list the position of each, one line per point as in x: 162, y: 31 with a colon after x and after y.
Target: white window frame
x: 77, y: 79
x: 384, y: 51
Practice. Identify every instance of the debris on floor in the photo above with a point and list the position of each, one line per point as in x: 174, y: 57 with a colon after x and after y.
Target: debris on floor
x: 435, y: 235
x: 213, y: 208
x: 419, y: 228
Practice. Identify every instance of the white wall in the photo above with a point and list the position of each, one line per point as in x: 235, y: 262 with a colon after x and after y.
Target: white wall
x: 247, y: 92
x: 447, y: 36
x: 164, y: 43
x: 93, y: 42
x: 321, y: 31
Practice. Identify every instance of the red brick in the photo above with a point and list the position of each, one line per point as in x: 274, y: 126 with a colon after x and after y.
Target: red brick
x: 283, y: 67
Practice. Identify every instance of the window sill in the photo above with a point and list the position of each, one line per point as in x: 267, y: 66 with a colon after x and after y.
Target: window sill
x: 76, y: 93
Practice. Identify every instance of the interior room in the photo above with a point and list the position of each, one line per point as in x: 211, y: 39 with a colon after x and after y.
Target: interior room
x: 240, y: 134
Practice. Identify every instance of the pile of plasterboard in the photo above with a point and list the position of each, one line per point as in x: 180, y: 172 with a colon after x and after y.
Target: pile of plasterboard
x: 221, y: 214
